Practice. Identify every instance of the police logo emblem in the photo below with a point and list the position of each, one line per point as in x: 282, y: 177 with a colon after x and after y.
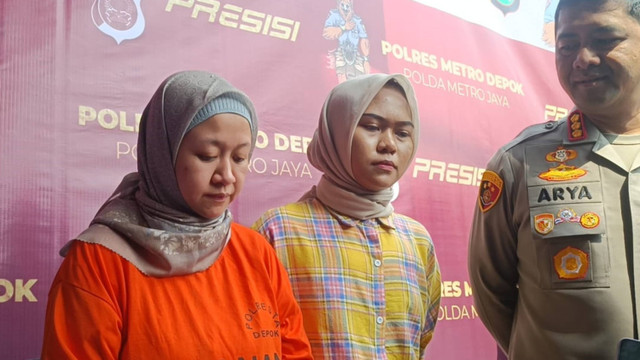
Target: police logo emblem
x: 506, y: 6
x: 120, y: 19
x: 490, y: 190
x: 571, y: 263
x: 567, y: 215
x: 562, y: 172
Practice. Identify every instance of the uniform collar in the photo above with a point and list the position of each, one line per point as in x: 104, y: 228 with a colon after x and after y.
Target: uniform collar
x: 601, y: 145
x: 580, y: 129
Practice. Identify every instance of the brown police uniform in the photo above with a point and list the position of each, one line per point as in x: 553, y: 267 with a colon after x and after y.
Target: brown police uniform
x: 555, y: 244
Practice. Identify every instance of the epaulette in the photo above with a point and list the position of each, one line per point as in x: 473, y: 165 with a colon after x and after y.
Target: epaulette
x: 532, y: 131
x: 576, y: 127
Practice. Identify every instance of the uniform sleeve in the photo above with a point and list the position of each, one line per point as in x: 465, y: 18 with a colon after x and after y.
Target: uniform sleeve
x: 432, y: 300
x: 493, y: 262
x: 295, y: 344
x: 80, y: 323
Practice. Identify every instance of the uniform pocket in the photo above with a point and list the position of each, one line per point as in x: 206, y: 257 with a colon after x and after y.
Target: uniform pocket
x: 574, y: 262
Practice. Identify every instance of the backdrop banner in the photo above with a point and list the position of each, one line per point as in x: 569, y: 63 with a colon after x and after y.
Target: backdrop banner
x: 76, y: 75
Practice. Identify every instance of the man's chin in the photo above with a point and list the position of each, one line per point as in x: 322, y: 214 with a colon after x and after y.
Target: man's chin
x: 591, y: 100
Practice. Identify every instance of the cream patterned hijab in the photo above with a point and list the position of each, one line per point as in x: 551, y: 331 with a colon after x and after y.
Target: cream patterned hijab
x: 146, y: 220
x: 330, y: 148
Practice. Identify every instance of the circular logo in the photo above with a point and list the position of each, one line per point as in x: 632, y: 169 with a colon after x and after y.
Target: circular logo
x: 589, y: 220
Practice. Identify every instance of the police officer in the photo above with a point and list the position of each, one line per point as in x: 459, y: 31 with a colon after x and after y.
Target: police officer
x: 554, y: 253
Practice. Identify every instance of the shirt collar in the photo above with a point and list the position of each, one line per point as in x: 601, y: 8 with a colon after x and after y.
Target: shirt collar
x: 347, y: 221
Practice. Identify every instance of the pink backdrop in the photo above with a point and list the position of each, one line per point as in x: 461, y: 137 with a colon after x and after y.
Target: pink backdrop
x: 75, y: 76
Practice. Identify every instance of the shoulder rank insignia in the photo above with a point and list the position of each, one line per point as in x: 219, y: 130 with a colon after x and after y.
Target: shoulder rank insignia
x: 562, y: 172
x: 571, y: 263
x: 577, y: 130
x: 490, y: 190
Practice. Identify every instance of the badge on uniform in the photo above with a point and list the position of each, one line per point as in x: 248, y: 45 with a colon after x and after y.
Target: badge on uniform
x: 576, y: 127
x: 571, y: 263
x: 567, y: 215
x: 490, y: 190
x: 543, y: 223
x: 590, y: 220
x: 562, y: 172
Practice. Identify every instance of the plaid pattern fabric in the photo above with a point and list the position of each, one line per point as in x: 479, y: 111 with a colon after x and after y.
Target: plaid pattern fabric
x: 367, y: 289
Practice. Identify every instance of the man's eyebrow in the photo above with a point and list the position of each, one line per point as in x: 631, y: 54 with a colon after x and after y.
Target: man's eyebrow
x: 606, y: 29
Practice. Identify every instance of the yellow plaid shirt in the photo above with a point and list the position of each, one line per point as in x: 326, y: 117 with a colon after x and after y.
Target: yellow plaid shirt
x: 368, y: 289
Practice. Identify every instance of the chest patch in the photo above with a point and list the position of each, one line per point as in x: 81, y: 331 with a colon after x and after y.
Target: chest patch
x: 566, y: 198
x: 571, y: 263
x: 562, y: 171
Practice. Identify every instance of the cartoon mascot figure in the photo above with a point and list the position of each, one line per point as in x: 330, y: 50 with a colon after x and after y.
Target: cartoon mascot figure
x: 351, y: 58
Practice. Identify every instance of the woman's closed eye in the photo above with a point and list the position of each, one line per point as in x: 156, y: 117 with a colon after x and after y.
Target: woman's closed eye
x: 371, y: 127
x: 207, y: 158
x: 239, y: 159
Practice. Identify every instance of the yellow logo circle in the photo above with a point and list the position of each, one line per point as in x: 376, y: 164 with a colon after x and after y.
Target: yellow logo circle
x: 589, y: 220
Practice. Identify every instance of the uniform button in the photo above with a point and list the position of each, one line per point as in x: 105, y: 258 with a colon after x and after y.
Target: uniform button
x: 548, y: 125
x: 377, y: 262
x: 379, y: 320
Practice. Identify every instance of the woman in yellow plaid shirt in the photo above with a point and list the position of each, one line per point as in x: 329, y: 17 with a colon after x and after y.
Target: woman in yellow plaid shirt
x: 367, y: 279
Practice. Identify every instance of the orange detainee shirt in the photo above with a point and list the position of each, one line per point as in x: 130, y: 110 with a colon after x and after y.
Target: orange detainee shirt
x: 241, y: 308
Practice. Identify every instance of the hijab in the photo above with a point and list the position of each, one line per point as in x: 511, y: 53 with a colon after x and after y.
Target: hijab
x: 330, y: 149
x: 146, y: 220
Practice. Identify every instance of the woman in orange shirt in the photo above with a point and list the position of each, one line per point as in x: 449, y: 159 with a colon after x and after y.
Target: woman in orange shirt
x: 162, y: 272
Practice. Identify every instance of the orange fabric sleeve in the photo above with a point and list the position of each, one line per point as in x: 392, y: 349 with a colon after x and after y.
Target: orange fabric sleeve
x: 81, y: 323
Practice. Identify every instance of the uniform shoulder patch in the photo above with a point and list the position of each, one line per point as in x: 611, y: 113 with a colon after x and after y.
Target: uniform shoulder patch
x: 490, y: 190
